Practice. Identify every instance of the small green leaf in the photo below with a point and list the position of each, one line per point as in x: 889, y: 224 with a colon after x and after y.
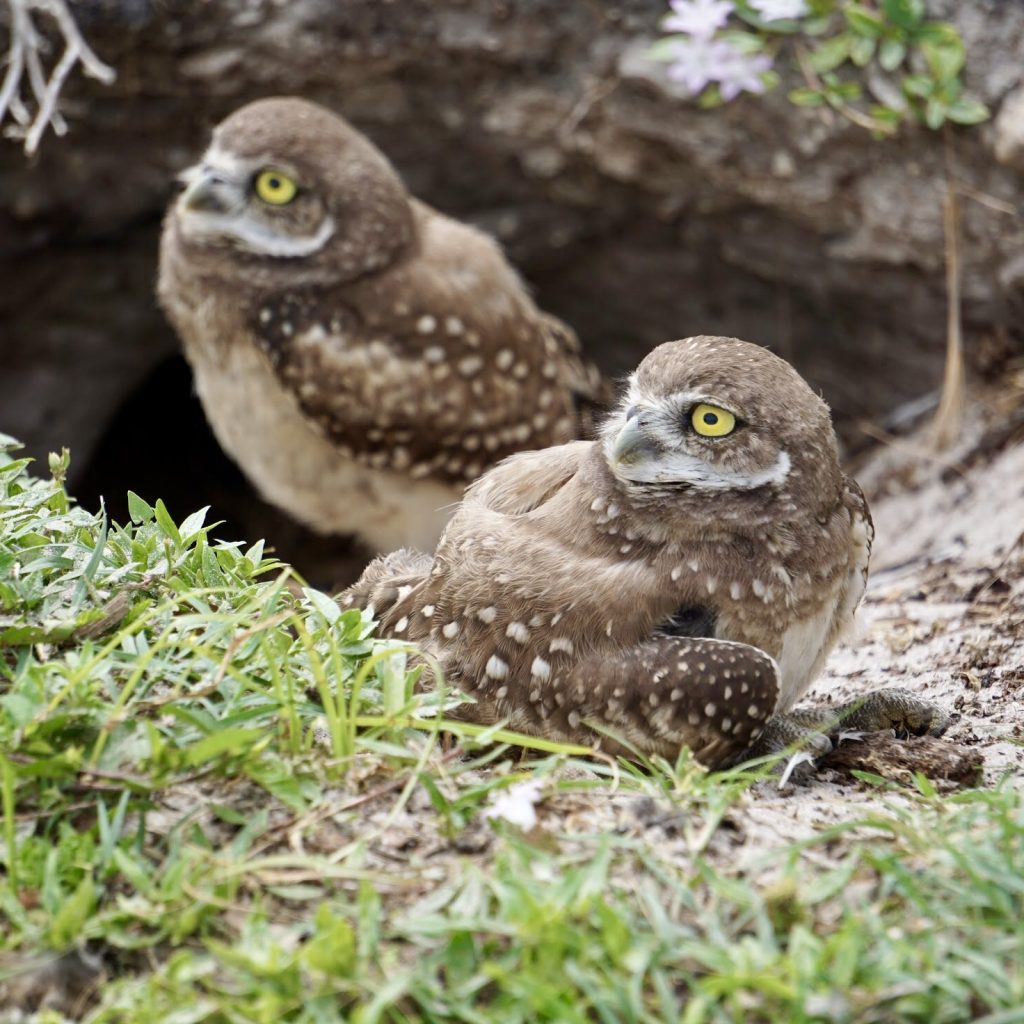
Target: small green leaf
x: 945, y: 59
x: 327, y: 607
x: 815, y: 26
x: 194, y: 523
x: 665, y: 49
x: 15, y: 466
x: 745, y: 42
x: 255, y: 554
x: 333, y: 947
x: 138, y: 875
x: 831, y: 54
x: 166, y: 523
x: 934, y: 114
x: 917, y: 85
x: 907, y: 14
x: 140, y: 510
x: 967, y: 111
x: 891, y: 54
x: 887, y: 115
x: 838, y: 91
x: 21, y: 709
x: 861, y: 51
x: 941, y: 32
x: 68, y: 922
x: 864, y: 21
x: 805, y: 97
x: 212, y: 575
x: 233, y: 741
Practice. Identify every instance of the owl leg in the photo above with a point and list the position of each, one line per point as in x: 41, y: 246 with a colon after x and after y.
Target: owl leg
x: 894, y: 708
x: 816, y: 728
x: 668, y: 692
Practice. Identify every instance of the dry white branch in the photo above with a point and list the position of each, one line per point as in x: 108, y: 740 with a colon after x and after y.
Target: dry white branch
x: 950, y: 414
x: 29, y: 92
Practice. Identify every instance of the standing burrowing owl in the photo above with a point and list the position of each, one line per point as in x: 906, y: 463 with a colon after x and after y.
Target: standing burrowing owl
x: 360, y: 355
x: 681, y: 580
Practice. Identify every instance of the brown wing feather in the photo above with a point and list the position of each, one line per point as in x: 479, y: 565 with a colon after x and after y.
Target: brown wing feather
x: 404, y: 400
x: 525, y: 481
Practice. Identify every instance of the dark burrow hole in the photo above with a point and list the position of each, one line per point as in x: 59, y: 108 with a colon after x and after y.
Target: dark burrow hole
x: 177, y: 459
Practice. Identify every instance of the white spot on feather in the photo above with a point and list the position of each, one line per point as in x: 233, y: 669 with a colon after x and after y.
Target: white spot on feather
x: 540, y: 669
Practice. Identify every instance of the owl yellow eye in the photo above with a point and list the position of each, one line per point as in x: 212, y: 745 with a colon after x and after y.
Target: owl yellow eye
x: 711, y: 421
x: 275, y: 188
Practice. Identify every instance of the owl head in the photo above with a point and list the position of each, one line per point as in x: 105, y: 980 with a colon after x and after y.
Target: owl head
x: 716, y: 422
x: 290, y: 191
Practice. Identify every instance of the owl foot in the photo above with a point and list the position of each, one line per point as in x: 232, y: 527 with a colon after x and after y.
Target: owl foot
x: 797, y: 734
x: 815, y: 730
x: 897, y: 709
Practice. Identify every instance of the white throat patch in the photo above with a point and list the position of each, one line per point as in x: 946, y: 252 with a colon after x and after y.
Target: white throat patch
x: 680, y: 468
x: 257, y: 237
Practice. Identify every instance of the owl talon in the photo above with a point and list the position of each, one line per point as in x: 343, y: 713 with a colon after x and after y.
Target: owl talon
x: 817, y: 729
x: 790, y: 732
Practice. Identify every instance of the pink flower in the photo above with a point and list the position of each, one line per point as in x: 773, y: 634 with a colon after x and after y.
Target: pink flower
x: 698, y: 18
x: 744, y: 75
x: 699, y: 62
x: 696, y: 63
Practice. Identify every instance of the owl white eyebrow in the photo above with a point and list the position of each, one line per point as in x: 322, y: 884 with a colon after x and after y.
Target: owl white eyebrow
x: 676, y: 402
x: 230, y: 165
x: 684, y: 400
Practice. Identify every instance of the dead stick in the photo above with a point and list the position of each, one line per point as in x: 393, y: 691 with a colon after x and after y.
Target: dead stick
x: 949, y: 417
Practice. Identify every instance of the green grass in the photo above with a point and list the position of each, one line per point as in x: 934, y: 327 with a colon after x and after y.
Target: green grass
x: 224, y: 792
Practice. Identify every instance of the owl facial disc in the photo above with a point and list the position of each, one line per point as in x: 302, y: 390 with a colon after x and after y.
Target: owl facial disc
x: 227, y: 199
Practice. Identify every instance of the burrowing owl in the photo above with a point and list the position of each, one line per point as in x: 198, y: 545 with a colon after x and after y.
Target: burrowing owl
x: 360, y: 355
x: 681, y: 580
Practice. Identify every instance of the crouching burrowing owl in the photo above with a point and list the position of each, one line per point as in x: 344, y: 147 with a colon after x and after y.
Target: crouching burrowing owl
x: 681, y: 580
x: 360, y: 355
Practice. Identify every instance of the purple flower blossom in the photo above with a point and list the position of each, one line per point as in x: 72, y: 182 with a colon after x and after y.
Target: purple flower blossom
x: 699, y: 62
x: 696, y: 63
x: 698, y: 18
x: 744, y: 74
x: 778, y: 10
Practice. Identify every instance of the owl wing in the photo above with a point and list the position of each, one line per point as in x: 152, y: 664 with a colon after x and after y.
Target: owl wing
x: 423, y: 397
x: 650, y: 699
x: 862, y: 535
x: 524, y: 482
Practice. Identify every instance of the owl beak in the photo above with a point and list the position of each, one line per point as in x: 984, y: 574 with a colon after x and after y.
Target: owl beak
x: 209, y: 192
x: 632, y: 445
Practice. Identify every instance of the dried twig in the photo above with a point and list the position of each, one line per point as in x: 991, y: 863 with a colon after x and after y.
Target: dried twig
x: 949, y: 417
x: 25, y: 62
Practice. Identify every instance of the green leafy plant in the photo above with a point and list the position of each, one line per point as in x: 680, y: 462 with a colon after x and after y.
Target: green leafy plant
x: 878, y: 63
